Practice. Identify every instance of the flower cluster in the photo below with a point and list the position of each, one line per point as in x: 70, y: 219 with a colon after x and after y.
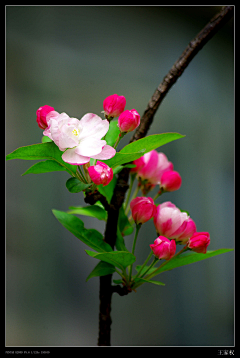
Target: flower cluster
x: 83, y: 143
x: 172, y: 225
x: 153, y: 169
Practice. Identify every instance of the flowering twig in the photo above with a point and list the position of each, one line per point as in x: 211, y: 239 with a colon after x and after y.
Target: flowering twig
x: 106, y: 288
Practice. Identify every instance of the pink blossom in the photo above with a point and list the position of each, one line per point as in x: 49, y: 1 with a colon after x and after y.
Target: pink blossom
x: 153, y: 166
x: 163, y: 248
x: 41, y: 116
x: 169, y: 221
x: 143, y: 209
x: 100, y: 173
x: 199, y: 242
x: 171, y: 180
x: 139, y: 164
x: 79, y: 139
x: 114, y: 105
x: 128, y: 120
x: 188, y: 232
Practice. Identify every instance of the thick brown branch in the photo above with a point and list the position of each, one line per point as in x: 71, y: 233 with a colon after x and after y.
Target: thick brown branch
x: 106, y: 289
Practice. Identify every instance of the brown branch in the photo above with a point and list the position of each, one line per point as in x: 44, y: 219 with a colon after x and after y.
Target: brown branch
x: 179, y: 66
x: 106, y: 289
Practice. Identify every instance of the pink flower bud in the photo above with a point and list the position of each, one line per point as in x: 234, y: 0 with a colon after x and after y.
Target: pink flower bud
x: 169, y: 221
x: 188, y: 232
x: 41, y: 116
x: 171, y: 180
x: 163, y: 248
x: 114, y: 105
x: 143, y: 209
x: 199, y: 242
x: 128, y: 120
x: 100, y: 173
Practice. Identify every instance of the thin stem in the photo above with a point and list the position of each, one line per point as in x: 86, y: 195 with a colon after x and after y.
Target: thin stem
x: 149, y: 268
x: 133, y: 247
x: 133, y: 196
x: 145, y: 263
x: 120, y: 136
x: 81, y: 175
x: 160, y: 192
x: 154, y: 273
x: 132, y: 177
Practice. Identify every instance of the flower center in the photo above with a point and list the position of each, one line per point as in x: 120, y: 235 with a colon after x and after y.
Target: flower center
x: 75, y: 132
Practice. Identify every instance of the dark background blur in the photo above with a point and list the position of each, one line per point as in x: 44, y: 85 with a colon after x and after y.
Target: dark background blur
x: 71, y: 58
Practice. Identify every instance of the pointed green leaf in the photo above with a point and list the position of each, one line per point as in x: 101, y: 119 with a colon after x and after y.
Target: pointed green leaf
x: 74, y: 185
x: 120, y: 259
x: 45, y: 167
x: 118, y: 282
x: 187, y: 258
x: 138, y: 148
x: 40, y: 151
x: 151, y: 142
x: 102, y: 269
x: 149, y: 281
x: 90, y: 237
x: 93, y: 211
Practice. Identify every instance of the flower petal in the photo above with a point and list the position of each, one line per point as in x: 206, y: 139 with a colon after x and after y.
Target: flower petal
x: 93, y: 126
x: 90, y: 146
x: 69, y: 156
x: 106, y: 153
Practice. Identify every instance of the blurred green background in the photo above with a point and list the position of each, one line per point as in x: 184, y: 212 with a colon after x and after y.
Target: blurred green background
x: 71, y: 58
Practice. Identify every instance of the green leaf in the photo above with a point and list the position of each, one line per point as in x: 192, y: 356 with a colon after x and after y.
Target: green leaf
x: 102, y: 269
x: 149, y: 281
x: 113, y: 133
x: 45, y: 167
x: 120, y: 244
x: 120, y: 259
x: 94, y: 211
x: 120, y: 158
x: 151, y: 142
x: 138, y: 148
x: 74, y: 185
x: 46, y: 139
x: 40, y: 151
x: 187, y: 258
x: 90, y: 237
